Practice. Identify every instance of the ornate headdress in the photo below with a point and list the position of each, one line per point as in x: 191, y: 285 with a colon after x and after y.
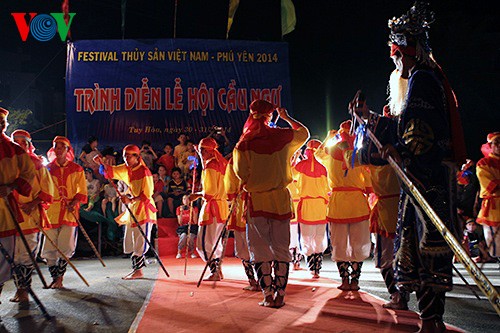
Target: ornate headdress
x: 409, y: 32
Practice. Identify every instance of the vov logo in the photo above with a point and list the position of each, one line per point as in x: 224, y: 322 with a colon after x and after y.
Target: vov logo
x: 43, y: 27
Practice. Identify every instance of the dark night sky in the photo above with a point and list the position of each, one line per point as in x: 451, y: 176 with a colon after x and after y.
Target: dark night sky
x: 336, y: 48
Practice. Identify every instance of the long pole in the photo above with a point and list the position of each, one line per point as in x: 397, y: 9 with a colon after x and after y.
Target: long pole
x: 86, y: 235
x: 25, y: 243
x: 481, y: 280
x: 222, y: 234
x: 62, y: 254
x: 190, y: 218
x: 142, y: 231
x: 30, y: 291
x: 146, y: 239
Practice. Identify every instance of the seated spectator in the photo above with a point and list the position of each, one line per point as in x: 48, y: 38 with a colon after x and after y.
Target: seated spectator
x: 180, y: 148
x: 163, y: 175
x: 148, y: 154
x: 185, y: 217
x: 157, y: 194
x: 185, y: 160
x: 110, y: 196
x: 93, y: 189
x: 87, y: 155
x: 167, y: 160
x: 177, y: 187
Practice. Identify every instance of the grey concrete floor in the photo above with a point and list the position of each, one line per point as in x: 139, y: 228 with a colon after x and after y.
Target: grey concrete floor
x: 462, y: 308
x: 111, y: 304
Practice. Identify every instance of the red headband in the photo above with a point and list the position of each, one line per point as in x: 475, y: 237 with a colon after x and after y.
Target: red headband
x: 208, y: 143
x: 4, y: 112
x: 261, y: 106
x: 492, y: 136
x: 62, y: 140
x: 131, y: 149
x: 21, y: 134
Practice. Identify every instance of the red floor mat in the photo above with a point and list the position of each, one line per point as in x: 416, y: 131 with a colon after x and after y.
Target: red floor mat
x: 176, y: 305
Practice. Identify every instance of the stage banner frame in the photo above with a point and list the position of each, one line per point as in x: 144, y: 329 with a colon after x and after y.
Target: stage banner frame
x: 126, y: 91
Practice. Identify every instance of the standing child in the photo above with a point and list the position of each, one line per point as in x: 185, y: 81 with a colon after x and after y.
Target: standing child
x: 185, y: 218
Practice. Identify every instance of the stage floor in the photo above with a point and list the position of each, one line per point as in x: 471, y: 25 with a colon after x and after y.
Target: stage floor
x: 312, y: 305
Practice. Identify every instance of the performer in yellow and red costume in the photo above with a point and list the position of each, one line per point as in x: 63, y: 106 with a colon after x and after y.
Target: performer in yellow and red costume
x: 262, y: 162
x: 295, y: 249
x: 312, y: 184
x: 348, y: 210
x: 34, y: 217
x: 17, y: 172
x: 488, y: 173
x: 139, y: 198
x: 214, y: 210
x: 63, y: 213
x: 238, y: 224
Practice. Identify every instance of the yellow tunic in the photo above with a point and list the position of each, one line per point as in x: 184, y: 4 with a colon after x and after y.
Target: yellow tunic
x: 384, y: 214
x: 488, y: 173
x: 140, y: 185
x: 347, y: 203
x: 44, y: 189
x: 232, y: 186
x: 16, y: 169
x: 312, y: 184
x: 266, y: 176
x: 70, y: 182
x: 214, y: 194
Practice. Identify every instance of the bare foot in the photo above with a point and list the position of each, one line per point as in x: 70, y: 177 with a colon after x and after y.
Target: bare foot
x: 267, y: 302
x: 21, y: 296
x: 135, y: 274
x: 279, y: 301
x: 253, y: 286
x: 57, y: 283
x: 214, y: 277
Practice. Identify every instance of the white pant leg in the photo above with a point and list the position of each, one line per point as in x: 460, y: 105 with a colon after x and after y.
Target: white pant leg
x: 139, y: 245
x: 21, y: 256
x: 493, y: 244
x: 206, y: 239
x: 269, y: 239
x: 339, y: 238
x: 49, y: 252
x: 313, y: 238
x: 65, y: 237
x: 241, y: 245
x: 128, y: 242
x: 9, y: 244
x: 359, y: 240
x: 294, y: 235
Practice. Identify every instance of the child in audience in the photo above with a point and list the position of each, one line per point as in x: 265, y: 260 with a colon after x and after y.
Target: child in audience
x: 185, y: 217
